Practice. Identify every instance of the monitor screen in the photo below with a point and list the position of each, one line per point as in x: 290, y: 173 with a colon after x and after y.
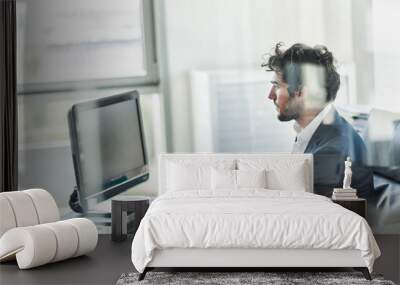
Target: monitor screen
x: 108, y: 146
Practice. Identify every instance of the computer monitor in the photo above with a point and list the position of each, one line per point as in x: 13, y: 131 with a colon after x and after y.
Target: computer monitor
x: 108, y: 147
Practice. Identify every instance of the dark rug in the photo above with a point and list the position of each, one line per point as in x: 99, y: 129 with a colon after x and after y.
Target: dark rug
x: 227, y: 278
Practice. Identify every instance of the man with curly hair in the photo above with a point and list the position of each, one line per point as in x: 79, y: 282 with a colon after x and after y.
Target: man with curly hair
x: 304, y: 86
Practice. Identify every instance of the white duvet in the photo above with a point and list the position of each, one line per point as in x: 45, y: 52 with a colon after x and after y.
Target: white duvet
x: 250, y: 219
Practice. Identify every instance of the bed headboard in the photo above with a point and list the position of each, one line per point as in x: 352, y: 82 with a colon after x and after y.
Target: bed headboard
x: 166, y: 157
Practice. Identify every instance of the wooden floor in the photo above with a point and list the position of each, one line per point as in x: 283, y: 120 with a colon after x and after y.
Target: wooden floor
x: 103, y: 266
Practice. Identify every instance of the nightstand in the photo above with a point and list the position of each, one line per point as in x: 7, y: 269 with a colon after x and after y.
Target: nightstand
x: 126, y: 214
x: 358, y: 206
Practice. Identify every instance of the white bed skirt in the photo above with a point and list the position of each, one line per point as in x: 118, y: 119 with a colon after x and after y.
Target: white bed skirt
x: 193, y: 257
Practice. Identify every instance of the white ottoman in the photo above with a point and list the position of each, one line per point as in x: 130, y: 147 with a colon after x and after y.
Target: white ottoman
x: 31, y: 233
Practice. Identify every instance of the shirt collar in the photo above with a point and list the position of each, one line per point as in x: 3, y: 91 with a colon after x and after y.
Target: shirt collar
x: 305, y: 134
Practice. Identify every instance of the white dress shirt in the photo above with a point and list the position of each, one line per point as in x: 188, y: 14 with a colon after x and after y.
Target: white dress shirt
x: 304, y: 135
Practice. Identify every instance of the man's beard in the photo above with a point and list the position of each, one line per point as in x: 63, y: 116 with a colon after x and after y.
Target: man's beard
x: 291, y: 112
x: 287, y: 117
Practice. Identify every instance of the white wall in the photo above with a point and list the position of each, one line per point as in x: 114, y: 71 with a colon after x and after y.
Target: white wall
x: 385, y: 45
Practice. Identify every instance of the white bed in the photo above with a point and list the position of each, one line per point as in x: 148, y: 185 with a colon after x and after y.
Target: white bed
x: 249, y: 210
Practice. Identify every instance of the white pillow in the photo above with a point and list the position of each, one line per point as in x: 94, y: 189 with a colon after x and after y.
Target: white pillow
x: 251, y: 178
x: 223, y: 179
x: 188, y: 177
x: 226, y: 179
x: 284, y: 174
x: 284, y: 177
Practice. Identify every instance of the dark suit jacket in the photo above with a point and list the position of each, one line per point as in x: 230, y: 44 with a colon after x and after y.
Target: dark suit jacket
x: 330, y: 146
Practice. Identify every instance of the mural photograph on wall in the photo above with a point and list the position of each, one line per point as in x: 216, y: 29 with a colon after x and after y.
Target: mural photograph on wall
x: 320, y: 80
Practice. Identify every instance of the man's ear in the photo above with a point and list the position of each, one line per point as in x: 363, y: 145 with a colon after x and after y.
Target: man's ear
x: 300, y: 92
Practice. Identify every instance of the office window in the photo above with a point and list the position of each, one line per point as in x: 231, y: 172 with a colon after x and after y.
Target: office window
x: 62, y: 44
x: 73, y: 51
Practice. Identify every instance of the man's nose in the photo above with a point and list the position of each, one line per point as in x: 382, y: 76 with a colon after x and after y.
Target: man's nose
x: 272, y: 95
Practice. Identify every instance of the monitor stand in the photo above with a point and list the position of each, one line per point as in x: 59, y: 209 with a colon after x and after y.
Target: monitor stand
x: 99, y: 213
x: 96, y: 214
x: 100, y: 210
x: 101, y: 220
